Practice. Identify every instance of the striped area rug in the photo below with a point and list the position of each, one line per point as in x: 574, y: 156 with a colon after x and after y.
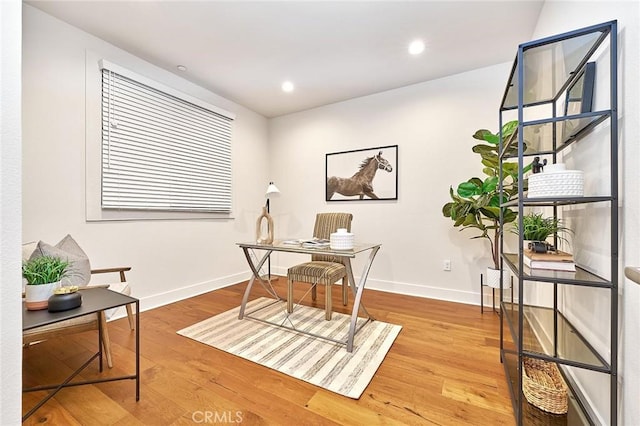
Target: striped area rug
x: 313, y: 360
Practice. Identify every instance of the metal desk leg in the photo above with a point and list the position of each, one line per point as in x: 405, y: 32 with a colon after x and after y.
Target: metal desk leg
x: 137, y: 350
x: 256, y: 274
x: 360, y: 290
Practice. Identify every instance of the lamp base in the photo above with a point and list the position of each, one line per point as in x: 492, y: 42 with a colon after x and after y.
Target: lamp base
x: 272, y: 279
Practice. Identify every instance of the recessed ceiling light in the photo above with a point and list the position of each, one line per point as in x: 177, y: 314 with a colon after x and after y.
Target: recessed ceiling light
x: 416, y: 47
x: 181, y: 68
x: 287, y: 86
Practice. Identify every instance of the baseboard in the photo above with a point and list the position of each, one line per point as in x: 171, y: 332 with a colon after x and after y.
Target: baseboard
x: 165, y: 298
x: 409, y: 289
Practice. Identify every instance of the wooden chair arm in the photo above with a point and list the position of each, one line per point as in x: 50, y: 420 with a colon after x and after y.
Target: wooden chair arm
x: 120, y: 269
x: 106, y: 270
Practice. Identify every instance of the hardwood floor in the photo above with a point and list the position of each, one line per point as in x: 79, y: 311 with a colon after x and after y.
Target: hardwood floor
x: 443, y: 369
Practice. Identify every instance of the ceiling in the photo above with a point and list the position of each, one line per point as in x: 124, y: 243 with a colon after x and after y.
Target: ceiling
x: 330, y: 50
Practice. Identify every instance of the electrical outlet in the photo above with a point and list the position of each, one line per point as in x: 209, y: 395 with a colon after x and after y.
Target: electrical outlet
x: 446, y: 265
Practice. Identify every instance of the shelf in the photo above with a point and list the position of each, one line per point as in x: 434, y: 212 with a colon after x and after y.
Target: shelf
x: 572, y: 348
x: 532, y: 415
x: 538, y: 135
x: 544, y: 83
x: 551, y: 79
x: 579, y: 277
x: 556, y: 201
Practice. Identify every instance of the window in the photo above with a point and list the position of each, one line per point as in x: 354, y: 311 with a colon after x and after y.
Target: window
x: 162, y: 150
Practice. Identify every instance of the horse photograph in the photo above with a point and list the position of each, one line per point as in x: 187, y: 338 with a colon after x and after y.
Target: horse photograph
x: 350, y: 174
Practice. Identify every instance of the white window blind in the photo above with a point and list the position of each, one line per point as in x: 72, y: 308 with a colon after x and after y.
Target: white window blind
x: 161, y: 152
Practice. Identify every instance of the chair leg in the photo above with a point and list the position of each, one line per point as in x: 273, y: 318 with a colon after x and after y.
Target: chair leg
x: 106, y: 343
x: 289, y: 295
x: 345, y: 291
x: 328, y: 308
x: 132, y: 322
x: 314, y: 293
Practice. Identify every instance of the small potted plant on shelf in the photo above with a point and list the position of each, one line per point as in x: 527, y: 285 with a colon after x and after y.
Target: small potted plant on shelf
x: 476, y: 203
x: 537, y: 229
x: 43, y: 275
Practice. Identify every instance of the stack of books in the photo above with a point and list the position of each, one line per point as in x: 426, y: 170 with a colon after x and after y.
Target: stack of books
x: 556, y: 261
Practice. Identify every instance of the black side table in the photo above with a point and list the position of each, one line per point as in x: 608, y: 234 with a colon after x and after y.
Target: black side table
x: 94, y: 300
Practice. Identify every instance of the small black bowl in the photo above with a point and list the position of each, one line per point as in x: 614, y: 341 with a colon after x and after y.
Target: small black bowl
x: 64, y: 302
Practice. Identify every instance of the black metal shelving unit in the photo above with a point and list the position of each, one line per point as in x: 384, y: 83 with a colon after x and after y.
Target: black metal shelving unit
x: 542, y: 73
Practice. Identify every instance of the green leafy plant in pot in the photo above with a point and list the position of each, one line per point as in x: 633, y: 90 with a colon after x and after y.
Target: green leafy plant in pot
x: 476, y: 203
x: 43, y: 275
x: 538, y: 228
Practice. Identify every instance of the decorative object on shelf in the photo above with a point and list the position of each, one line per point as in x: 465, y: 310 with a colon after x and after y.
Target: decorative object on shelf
x: 537, y: 166
x: 476, y: 203
x: 359, y: 186
x: 579, y: 98
x: 555, y: 261
x: 556, y: 181
x: 43, y: 275
x: 64, y: 299
x: 341, y: 240
x: 543, y: 386
x: 537, y: 228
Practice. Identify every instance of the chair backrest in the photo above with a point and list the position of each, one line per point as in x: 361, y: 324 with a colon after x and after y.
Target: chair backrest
x: 326, y: 224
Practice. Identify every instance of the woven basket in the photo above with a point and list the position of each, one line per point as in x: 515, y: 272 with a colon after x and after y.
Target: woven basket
x: 543, y: 386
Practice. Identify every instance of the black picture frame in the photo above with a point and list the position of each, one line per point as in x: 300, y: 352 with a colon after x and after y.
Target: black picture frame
x: 366, y: 174
x: 579, y: 97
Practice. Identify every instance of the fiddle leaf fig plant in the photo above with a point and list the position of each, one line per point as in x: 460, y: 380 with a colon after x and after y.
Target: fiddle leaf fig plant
x: 476, y: 203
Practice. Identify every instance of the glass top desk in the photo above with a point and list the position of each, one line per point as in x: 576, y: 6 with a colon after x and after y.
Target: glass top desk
x: 344, y: 255
x: 94, y: 301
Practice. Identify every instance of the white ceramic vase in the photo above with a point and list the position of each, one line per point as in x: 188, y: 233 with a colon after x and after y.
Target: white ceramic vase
x: 37, y: 296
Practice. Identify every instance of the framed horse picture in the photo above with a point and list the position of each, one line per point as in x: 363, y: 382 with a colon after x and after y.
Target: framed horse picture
x: 362, y: 174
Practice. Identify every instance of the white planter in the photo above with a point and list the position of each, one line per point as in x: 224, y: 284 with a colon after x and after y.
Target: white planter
x: 492, y: 278
x: 555, y: 181
x: 37, y: 296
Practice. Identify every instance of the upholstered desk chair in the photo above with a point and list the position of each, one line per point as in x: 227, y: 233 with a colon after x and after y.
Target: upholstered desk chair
x: 87, y: 322
x: 323, y: 269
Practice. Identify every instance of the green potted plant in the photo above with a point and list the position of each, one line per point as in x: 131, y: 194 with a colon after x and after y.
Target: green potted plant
x: 43, y: 275
x: 476, y: 203
x: 537, y: 227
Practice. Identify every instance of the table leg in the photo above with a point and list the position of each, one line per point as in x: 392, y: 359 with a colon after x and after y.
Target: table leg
x: 137, y: 350
x: 358, y: 292
x: 254, y: 270
x: 100, y: 332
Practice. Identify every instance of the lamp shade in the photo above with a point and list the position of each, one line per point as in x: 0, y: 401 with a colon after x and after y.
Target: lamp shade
x: 272, y: 191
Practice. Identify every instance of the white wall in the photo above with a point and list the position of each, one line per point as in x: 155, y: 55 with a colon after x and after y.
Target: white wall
x: 432, y: 123
x: 171, y: 259
x: 10, y: 212
x: 590, y: 308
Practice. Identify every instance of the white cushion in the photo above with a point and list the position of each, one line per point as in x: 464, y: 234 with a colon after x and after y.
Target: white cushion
x: 28, y: 249
x: 79, y: 270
